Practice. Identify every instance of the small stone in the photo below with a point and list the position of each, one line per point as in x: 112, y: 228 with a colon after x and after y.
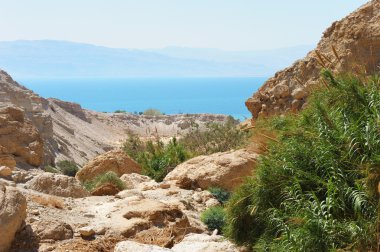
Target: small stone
x: 88, y: 215
x: 86, y: 231
x: 35, y: 212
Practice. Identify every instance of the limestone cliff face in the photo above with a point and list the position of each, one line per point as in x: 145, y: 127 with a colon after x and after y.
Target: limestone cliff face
x: 351, y: 44
x: 49, y: 130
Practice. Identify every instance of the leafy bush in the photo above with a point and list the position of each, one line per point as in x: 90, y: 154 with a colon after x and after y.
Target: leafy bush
x: 152, y: 112
x: 155, y: 158
x: 214, y: 218
x: 216, y: 138
x: 316, y: 189
x: 51, y: 169
x: 120, y: 111
x: 109, y: 177
x: 220, y: 194
x: 67, y: 167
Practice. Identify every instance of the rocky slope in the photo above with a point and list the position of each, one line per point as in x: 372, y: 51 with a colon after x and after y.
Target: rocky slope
x: 351, y: 44
x: 69, y: 132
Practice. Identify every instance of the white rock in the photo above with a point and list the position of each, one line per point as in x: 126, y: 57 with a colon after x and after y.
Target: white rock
x: 130, y: 246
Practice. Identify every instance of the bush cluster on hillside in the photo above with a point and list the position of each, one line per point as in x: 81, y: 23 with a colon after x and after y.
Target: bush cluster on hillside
x: 158, y: 159
x: 316, y: 189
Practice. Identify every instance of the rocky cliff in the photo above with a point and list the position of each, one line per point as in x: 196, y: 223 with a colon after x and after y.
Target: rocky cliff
x: 351, y: 44
x: 48, y: 130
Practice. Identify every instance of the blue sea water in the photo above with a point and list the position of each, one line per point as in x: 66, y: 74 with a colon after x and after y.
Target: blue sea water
x: 169, y: 95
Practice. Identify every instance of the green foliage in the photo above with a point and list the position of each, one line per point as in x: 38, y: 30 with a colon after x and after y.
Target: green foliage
x: 120, y: 111
x: 315, y: 190
x: 155, y: 158
x: 106, y: 178
x: 152, y: 112
x: 67, y: 167
x: 51, y: 169
x: 214, y: 218
x: 216, y: 138
x: 220, y: 194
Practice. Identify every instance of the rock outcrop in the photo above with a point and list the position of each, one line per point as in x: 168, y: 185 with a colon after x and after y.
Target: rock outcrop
x: 58, y: 185
x: 226, y: 170
x: 19, y: 138
x: 116, y: 161
x: 351, y: 44
x: 12, y: 215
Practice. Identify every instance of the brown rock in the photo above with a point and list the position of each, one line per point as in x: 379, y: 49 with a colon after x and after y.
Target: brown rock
x: 226, y: 170
x: 5, y: 171
x: 105, y: 189
x: 133, y: 180
x: 19, y: 137
x: 348, y: 43
x: 58, y: 185
x: 7, y: 160
x: 12, y: 215
x: 116, y: 161
x: 52, y: 230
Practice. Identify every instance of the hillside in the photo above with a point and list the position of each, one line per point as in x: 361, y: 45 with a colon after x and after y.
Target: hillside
x: 351, y: 44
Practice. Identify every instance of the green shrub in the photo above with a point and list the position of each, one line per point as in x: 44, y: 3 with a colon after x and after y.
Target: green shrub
x: 220, y: 194
x: 120, y: 111
x: 152, y: 112
x: 51, y: 169
x: 155, y: 158
x: 315, y: 190
x: 214, y: 218
x: 217, y: 137
x: 67, y: 167
x: 109, y: 177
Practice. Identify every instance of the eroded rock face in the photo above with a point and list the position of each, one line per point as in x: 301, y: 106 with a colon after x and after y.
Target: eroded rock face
x: 116, y: 161
x: 351, y: 42
x: 58, y: 185
x: 19, y: 137
x: 226, y: 170
x: 12, y: 215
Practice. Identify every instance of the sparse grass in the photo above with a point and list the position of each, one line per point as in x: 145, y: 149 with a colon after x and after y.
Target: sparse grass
x: 48, y: 201
x: 216, y: 137
x: 51, y: 169
x: 316, y: 188
x: 109, y: 177
x: 152, y: 112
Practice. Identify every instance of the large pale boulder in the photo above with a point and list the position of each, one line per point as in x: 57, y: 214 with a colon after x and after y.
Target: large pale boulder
x: 19, y: 137
x: 226, y: 170
x: 12, y: 215
x: 204, y: 243
x: 134, y: 180
x: 116, y: 161
x: 131, y: 246
x: 58, y: 185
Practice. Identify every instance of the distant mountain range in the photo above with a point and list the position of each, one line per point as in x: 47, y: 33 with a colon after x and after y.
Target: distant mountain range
x: 49, y: 58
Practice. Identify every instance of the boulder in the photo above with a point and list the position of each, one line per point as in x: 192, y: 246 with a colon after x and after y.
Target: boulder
x: 131, y: 246
x: 86, y: 232
x: 12, y: 215
x: 280, y: 91
x: 7, y: 160
x: 134, y: 180
x: 226, y: 170
x: 58, y: 185
x: 116, y: 161
x: 204, y: 243
x: 52, y: 230
x: 299, y: 93
x: 105, y: 189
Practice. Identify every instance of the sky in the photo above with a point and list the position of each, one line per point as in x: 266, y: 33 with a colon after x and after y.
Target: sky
x: 224, y: 24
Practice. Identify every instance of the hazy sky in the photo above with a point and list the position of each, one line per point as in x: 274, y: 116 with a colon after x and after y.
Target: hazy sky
x: 225, y: 24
